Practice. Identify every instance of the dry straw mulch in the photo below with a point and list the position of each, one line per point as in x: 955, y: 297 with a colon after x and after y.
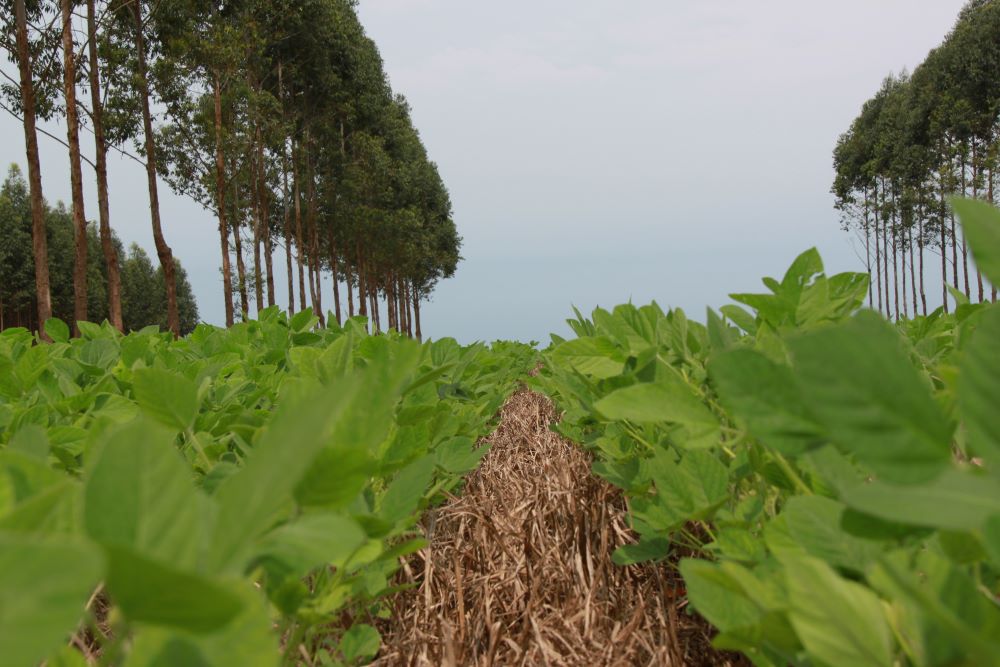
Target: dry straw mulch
x: 519, y: 571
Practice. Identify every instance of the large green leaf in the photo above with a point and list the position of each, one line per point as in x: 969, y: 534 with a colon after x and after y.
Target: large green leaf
x: 764, y: 396
x: 139, y: 494
x: 979, y: 386
x: 168, y: 397
x: 839, y: 622
x: 859, y: 382
x: 814, y: 523
x: 955, y: 500
x: 311, y: 541
x: 150, y: 591
x: 44, y: 585
x: 669, y: 399
x: 692, y: 488
x: 981, y: 224
x: 598, y: 356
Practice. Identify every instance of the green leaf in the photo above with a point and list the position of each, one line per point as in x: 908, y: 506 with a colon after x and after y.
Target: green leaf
x: 139, y: 494
x: 839, y: 622
x: 149, y: 591
x: 955, y: 500
x: 717, y: 596
x: 764, y: 396
x: 669, y: 399
x: 57, y: 330
x: 645, y: 550
x: 44, y: 585
x: 407, y: 490
x: 311, y: 541
x: 814, y: 522
x: 979, y: 386
x: 981, y: 225
x: 360, y: 642
x: 692, y: 488
x: 167, y: 396
x: 598, y: 357
x: 859, y: 382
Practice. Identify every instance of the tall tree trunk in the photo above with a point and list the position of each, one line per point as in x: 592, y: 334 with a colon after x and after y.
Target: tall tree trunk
x: 406, y: 306
x: 238, y: 243
x: 315, y: 269
x: 993, y: 295
x: 868, y: 251
x: 886, y: 220
x: 39, y: 244
x: 101, y: 169
x: 975, y: 195
x: 298, y: 225
x: 350, y: 292
x: 965, y: 247
x: 895, y: 253
x: 75, y: 168
x: 362, y: 292
x: 878, y: 248
x: 335, y: 269
x: 416, y: 314
x: 944, y: 248
x: 163, y: 252
x: 284, y: 193
x: 258, y: 278
x: 265, y: 215
x: 220, y: 203
x: 913, y: 274
x: 920, y: 245
x: 902, y: 253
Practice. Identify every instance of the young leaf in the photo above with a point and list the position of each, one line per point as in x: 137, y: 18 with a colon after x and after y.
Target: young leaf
x: 858, y: 381
x: 168, y: 397
x: 839, y: 622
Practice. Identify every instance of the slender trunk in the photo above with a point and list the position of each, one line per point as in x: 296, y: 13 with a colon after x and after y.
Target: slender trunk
x: 350, y: 292
x: 913, y: 270
x: 878, y: 249
x: 298, y: 225
x: 416, y: 314
x: 902, y: 252
x: 241, y: 271
x: 993, y: 295
x: 335, y: 269
x: 965, y: 247
x: 264, y: 195
x: 895, y: 254
x: 258, y: 278
x: 920, y: 245
x: 220, y: 203
x: 315, y: 268
x: 163, y: 251
x: 101, y: 169
x: 409, y: 313
x: 975, y: 195
x: 944, y: 249
x: 284, y: 197
x: 868, y: 251
x: 39, y: 244
x: 75, y: 168
x: 885, y: 252
x: 362, y: 292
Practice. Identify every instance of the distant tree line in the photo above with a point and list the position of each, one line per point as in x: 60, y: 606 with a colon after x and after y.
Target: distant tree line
x: 276, y: 115
x: 922, y: 138
x: 143, y: 292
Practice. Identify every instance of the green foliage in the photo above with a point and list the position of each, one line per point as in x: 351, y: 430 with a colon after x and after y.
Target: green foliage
x: 834, y: 476
x: 233, y: 489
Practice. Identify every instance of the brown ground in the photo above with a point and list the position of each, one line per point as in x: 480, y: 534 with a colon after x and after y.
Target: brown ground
x: 519, y: 571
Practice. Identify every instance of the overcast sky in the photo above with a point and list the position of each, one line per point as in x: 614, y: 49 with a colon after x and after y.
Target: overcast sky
x: 601, y: 151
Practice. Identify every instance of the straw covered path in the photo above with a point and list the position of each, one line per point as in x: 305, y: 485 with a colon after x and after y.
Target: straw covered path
x: 518, y: 570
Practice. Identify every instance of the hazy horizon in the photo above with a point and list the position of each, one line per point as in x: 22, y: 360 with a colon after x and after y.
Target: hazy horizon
x: 597, y: 153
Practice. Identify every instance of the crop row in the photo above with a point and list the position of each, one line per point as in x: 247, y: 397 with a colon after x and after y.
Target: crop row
x: 237, y: 497
x: 826, y: 480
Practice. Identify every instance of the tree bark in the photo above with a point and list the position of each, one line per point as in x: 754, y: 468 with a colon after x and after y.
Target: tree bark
x: 416, y: 314
x: 39, y: 244
x: 965, y: 246
x: 284, y: 197
x: 975, y: 195
x: 241, y: 270
x: 258, y: 279
x: 335, y: 269
x: 220, y: 203
x: 944, y: 247
x: 101, y: 169
x: 920, y: 243
x: 315, y: 271
x: 163, y: 251
x: 265, y: 215
x: 298, y: 225
x: 878, y: 250
x: 75, y: 168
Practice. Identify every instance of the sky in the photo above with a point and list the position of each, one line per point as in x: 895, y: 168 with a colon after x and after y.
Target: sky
x: 599, y: 152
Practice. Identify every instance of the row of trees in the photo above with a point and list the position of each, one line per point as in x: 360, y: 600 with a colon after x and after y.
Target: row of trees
x: 923, y: 137
x: 142, y: 295
x: 276, y: 115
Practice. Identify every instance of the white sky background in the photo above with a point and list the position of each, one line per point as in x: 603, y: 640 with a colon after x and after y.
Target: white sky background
x: 600, y: 151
